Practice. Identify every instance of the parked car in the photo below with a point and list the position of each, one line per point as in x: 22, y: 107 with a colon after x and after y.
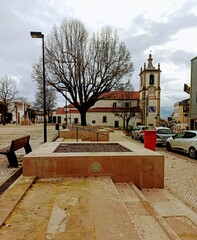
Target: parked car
x: 162, y: 134
x: 137, y: 133
x: 185, y: 141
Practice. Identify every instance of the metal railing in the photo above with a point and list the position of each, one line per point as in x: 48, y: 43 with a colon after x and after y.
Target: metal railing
x: 78, y: 128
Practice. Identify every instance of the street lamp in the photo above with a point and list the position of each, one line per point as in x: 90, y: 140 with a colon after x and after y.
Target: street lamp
x: 40, y: 35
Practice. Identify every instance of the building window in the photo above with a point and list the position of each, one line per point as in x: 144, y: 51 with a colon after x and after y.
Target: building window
x: 151, y: 79
x: 104, y: 119
x: 141, y: 81
x: 126, y: 105
x: 116, y: 124
x: 93, y: 121
x: 114, y: 105
x: 59, y: 119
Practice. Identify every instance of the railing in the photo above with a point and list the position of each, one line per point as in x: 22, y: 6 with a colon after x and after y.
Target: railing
x: 78, y: 128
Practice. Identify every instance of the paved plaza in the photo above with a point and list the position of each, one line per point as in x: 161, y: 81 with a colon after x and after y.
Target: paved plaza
x: 180, y: 171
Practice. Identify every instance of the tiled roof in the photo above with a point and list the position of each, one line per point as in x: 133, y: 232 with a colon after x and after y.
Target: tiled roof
x: 112, y: 95
x: 60, y: 110
x: 110, y: 109
x: 120, y: 95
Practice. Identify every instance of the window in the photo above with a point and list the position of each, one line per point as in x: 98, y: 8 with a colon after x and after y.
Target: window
x: 104, y: 119
x: 54, y: 119
x: 151, y: 79
x: 116, y: 124
x: 180, y: 135
x: 59, y: 119
x: 114, y: 105
x: 75, y: 120
x: 126, y: 105
x: 93, y: 121
x: 189, y: 135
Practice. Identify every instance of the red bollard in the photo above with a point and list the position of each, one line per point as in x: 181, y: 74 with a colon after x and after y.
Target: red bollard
x: 150, y: 139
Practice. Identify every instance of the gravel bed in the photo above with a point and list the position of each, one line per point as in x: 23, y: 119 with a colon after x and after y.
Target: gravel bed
x: 91, y: 147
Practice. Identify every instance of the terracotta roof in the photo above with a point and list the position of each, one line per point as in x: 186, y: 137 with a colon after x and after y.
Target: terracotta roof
x: 120, y: 95
x: 112, y: 95
x: 109, y: 109
x: 60, y: 110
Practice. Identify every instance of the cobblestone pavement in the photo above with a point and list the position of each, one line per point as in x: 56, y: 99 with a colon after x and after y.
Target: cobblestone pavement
x: 180, y: 171
x: 181, y: 178
x: 9, y: 132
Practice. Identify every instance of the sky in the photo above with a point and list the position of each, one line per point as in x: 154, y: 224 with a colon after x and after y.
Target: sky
x: 167, y: 29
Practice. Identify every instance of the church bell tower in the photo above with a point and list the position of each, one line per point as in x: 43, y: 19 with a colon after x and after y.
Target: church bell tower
x: 150, y: 94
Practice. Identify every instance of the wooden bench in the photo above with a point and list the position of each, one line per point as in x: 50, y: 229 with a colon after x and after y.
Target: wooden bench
x: 16, y: 145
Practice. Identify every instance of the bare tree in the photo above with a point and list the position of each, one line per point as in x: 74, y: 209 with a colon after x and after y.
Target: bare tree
x: 8, y: 92
x: 126, y: 106
x: 85, y: 67
x: 51, y: 98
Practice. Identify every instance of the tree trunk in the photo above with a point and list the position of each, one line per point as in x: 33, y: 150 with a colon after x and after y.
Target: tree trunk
x: 127, y: 122
x: 123, y: 123
x: 83, y: 118
x: 3, y: 118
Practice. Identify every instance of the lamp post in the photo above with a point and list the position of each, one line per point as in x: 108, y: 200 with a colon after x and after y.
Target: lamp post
x: 40, y: 35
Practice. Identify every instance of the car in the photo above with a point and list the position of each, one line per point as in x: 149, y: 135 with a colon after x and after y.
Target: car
x: 162, y: 134
x: 137, y: 133
x: 185, y: 141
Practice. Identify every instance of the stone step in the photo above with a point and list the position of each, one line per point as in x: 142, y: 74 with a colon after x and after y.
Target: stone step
x: 150, y: 225
x: 90, y: 208
x: 10, y: 198
x: 179, y: 217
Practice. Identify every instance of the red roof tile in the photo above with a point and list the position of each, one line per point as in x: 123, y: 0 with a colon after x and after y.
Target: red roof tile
x: 120, y: 95
x: 60, y: 110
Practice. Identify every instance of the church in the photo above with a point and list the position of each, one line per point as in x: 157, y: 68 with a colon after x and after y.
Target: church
x: 115, y: 106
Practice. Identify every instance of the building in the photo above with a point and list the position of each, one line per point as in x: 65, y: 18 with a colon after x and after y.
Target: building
x: 150, y: 94
x: 193, y: 94
x: 180, y: 117
x: 143, y: 105
x: 18, y: 112
x: 108, y: 111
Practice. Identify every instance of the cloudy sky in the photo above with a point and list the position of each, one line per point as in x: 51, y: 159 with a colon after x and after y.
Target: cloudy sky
x: 166, y: 28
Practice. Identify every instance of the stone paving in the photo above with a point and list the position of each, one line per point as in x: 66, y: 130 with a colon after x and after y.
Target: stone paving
x: 181, y: 179
x: 9, y: 132
x: 180, y: 171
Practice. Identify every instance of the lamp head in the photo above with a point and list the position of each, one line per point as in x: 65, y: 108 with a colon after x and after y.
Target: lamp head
x: 36, y: 35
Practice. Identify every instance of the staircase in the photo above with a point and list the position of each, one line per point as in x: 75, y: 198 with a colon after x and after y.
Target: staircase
x: 92, y: 208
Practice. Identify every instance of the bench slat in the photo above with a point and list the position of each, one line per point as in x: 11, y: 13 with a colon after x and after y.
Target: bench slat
x: 19, y: 143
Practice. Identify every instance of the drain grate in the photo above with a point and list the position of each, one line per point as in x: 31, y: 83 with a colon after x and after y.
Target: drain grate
x: 10, y: 180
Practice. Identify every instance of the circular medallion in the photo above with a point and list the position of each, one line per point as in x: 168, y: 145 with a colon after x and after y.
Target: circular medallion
x: 151, y: 90
x: 96, y: 167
